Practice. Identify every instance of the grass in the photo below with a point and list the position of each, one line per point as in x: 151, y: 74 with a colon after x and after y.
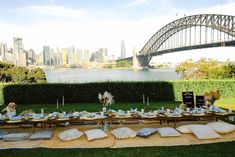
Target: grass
x: 228, y: 103
x: 93, y: 107
x: 206, y: 150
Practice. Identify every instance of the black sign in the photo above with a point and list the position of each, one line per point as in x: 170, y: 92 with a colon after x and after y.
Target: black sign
x: 200, y: 101
x: 188, y: 99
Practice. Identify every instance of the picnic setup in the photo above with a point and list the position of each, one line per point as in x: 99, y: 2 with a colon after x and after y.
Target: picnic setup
x: 190, y: 123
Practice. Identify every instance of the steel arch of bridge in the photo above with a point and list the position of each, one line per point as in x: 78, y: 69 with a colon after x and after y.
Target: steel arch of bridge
x: 222, y: 23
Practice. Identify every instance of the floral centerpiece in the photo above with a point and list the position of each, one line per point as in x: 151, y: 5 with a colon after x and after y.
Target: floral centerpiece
x: 211, y: 97
x: 106, y: 99
x: 10, y: 110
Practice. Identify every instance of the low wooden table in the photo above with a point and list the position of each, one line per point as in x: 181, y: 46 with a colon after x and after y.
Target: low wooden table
x: 161, y: 119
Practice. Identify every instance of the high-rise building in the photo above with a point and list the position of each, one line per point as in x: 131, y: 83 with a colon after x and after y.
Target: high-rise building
x: 18, y: 47
x: 123, y: 49
x: 30, y: 56
x: 22, y: 59
x: 102, y: 55
x: 79, y: 56
x: 46, y: 55
x: 10, y: 57
x: 71, y: 54
x: 87, y: 56
x: 64, y: 57
x: 3, y: 51
x: 58, y: 58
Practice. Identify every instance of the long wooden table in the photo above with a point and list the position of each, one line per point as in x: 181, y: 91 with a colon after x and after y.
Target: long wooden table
x: 162, y: 119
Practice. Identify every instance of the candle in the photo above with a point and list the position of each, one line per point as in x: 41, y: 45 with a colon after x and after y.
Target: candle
x: 63, y: 100
x: 102, y: 114
x: 147, y: 101
x: 57, y: 104
x: 42, y: 111
x: 143, y: 99
x: 142, y: 111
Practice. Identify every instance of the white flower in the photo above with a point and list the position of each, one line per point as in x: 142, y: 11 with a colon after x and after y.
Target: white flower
x: 106, y: 99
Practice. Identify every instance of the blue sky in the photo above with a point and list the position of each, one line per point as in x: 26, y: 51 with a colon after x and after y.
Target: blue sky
x: 16, y: 10
x: 92, y: 24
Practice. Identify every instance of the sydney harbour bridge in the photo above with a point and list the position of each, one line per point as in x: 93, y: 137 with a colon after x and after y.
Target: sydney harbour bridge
x: 188, y: 33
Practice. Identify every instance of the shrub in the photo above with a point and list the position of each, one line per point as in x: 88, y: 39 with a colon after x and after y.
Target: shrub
x: 122, y: 91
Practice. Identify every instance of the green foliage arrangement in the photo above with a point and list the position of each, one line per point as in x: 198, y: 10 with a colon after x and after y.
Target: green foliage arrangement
x: 16, y: 74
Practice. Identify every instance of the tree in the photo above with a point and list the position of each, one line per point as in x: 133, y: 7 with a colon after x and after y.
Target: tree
x: 206, y: 69
x: 17, y: 74
x: 123, y: 64
x: 36, y: 75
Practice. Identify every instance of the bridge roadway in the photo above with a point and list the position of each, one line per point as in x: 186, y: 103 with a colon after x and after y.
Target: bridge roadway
x: 192, y: 47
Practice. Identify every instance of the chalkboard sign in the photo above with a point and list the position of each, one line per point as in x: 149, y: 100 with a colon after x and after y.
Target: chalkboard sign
x: 200, y: 101
x: 188, y: 99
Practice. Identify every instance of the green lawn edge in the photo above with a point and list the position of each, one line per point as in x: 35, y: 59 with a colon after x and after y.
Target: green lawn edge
x: 223, y: 149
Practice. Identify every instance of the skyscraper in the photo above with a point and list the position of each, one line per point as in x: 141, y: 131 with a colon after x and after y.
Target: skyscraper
x: 123, y: 49
x: 17, y: 48
x: 3, y: 51
x: 30, y: 56
x: 102, y: 55
x: 46, y: 55
x: 64, y: 57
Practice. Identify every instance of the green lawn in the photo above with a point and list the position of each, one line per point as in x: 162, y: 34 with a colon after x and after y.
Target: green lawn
x: 204, y: 150
x: 93, y: 107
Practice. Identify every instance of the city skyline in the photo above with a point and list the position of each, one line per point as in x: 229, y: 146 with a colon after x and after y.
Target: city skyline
x: 92, y: 25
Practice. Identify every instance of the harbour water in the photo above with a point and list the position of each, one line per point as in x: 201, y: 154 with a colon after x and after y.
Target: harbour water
x: 102, y: 75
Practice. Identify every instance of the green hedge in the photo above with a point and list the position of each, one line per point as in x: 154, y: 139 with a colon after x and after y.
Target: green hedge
x: 199, y: 87
x: 122, y: 91
x: 1, y: 95
x: 87, y: 92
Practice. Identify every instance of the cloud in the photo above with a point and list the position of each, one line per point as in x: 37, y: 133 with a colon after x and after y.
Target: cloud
x: 106, y: 31
x: 137, y: 2
x: 59, y: 11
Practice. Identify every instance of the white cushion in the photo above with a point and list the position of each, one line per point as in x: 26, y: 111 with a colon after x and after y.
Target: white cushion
x: 42, y: 135
x: 15, y: 137
x: 69, y: 135
x: 185, y: 128
x: 221, y: 127
x: 95, y: 134
x: 2, y: 133
x: 168, y: 132
x: 145, y: 132
x: 204, y: 132
x: 124, y: 132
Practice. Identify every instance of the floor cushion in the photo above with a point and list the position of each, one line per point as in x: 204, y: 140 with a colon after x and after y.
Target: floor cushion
x: 124, y: 132
x: 95, y: 134
x: 145, y: 132
x: 185, y: 128
x: 16, y: 137
x: 42, y: 135
x: 221, y: 127
x: 70, y: 134
x: 2, y: 133
x: 168, y: 132
x: 203, y: 132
